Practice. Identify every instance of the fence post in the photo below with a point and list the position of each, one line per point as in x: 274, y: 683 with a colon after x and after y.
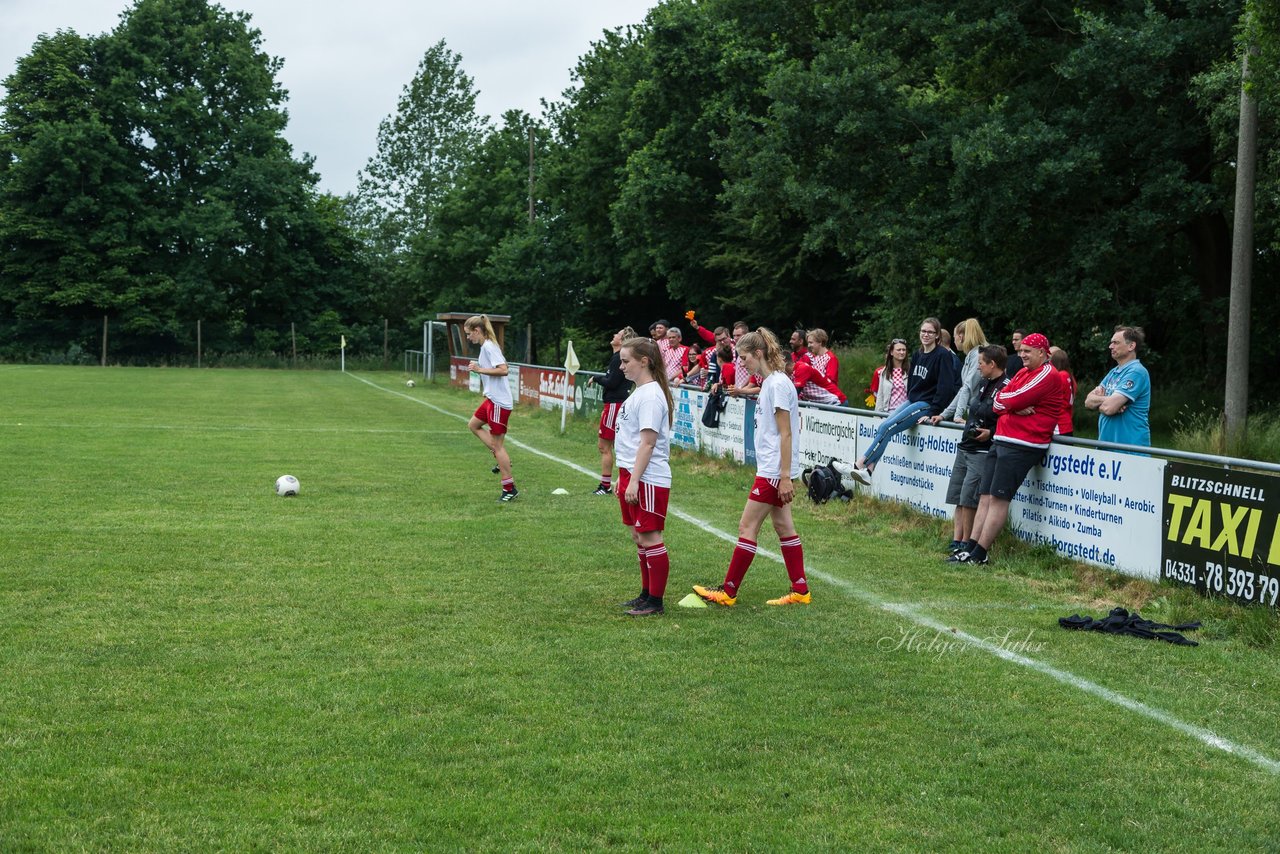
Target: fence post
x: 104, y: 340
x: 293, y: 337
x: 384, y: 344
x: 198, y: 343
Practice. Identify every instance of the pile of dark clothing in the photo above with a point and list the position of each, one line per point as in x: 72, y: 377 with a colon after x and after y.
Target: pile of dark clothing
x: 1121, y: 622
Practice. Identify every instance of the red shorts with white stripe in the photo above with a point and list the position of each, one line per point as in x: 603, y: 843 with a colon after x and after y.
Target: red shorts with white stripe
x: 495, y: 416
x: 766, y: 492
x: 609, y: 421
x: 651, y: 513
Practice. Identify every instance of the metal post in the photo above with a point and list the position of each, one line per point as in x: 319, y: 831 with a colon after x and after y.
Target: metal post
x: 429, y: 355
x: 384, y: 343
x: 198, y: 343
x: 1236, y: 408
x: 104, y: 340
x: 293, y: 337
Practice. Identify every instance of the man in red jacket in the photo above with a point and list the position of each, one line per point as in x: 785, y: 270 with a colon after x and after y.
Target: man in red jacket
x: 1026, y: 412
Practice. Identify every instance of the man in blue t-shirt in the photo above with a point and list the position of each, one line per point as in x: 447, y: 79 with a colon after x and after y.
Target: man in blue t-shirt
x: 1124, y: 398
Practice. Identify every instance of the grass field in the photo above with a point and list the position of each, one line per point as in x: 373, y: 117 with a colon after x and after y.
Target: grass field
x: 395, y: 661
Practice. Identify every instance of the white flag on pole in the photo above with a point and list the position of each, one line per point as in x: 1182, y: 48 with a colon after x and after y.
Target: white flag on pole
x: 571, y: 365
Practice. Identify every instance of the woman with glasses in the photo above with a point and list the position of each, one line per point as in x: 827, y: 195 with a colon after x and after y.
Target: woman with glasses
x: 890, y: 380
x: 933, y: 382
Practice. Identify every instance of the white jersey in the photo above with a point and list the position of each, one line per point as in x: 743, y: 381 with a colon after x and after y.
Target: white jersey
x: 496, y: 388
x: 777, y: 392
x: 645, y: 409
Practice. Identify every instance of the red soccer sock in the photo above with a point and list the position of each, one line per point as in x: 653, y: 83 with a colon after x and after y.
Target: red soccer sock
x: 659, y: 567
x: 508, y: 484
x: 606, y: 480
x: 793, y: 557
x: 743, y: 553
x: 644, y: 569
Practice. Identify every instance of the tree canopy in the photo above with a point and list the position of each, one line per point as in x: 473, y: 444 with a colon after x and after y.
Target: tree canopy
x: 850, y: 164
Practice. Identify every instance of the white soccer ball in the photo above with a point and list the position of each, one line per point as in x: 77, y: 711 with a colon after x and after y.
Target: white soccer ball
x: 410, y: 383
x: 286, y: 484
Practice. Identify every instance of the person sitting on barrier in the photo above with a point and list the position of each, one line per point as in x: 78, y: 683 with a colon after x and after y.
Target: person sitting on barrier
x: 975, y: 445
x: 819, y: 356
x: 1027, y: 411
x: 1123, y: 398
x: 933, y: 382
x: 814, y: 386
x: 970, y: 339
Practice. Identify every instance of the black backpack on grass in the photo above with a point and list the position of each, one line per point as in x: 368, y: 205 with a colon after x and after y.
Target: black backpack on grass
x: 825, y: 483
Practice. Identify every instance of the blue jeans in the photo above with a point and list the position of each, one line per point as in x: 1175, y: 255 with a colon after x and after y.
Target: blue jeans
x: 902, y: 418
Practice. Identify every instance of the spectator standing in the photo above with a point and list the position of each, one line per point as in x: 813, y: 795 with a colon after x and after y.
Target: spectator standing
x: 890, y: 380
x: 1062, y: 364
x: 614, y: 387
x: 1015, y: 361
x: 1123, y: 399
x: 1027, y: 411
x: 799, y: 346
x: 820, y: 357
x: 933, y: 382
x: 975, y: 445
x: 675, y: 356
x: 743, y: 383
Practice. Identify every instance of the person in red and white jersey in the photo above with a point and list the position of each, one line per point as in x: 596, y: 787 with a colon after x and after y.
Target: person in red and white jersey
x: 814, y: 386
x: 1028, y: 410
x: 777, y: 444
x: 495, y: 410
x: 820, y: 357
x: 615, y: 387
x: 642, y: 442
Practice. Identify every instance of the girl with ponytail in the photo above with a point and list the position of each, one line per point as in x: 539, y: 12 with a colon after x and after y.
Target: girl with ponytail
x: 495, y: 410
x: 642, y: 444
x: 777, y: 442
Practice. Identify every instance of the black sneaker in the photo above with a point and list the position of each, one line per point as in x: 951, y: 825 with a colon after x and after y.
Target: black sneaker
x: 603, y: 490
x: 967, y: 557
x: 496, y: 470
x: 634, y: 603
x: 508, y: 495
x: 955, y: 546
x: 648, y: 609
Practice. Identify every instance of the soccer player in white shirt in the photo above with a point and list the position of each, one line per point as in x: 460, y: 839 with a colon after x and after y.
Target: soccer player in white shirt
x: 777, y: 464
x: 495, y: 410
x: 642, y: 444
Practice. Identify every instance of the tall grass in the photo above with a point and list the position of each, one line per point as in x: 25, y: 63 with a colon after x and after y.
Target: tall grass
x: 1204, y: 431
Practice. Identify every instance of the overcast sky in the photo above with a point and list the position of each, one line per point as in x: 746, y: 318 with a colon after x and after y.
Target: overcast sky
x: 345, y: 61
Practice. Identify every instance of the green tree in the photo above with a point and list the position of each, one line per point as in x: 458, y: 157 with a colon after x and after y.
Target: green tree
x: 67, y: 192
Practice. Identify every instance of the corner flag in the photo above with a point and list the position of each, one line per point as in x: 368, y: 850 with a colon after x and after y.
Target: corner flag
x: 571, y: 365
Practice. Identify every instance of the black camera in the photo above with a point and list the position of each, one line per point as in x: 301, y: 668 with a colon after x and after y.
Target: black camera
x: 971, y: 432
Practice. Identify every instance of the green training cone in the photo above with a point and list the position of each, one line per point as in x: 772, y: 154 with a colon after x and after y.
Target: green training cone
x: 693, y: 600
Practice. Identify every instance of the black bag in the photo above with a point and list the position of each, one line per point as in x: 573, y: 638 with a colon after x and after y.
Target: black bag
x: 716, y: 403
x: 825, y: 483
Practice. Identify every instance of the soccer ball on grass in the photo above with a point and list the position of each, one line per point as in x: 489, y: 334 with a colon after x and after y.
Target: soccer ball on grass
x: 410, y: 383
x: 286, y: 485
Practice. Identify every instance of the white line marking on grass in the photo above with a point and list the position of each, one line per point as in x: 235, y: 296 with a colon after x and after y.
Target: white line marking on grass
x: 1201, y: 734
x: 228, y: 428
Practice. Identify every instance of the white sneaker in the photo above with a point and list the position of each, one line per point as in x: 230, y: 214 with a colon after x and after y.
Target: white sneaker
x: 862, y: 476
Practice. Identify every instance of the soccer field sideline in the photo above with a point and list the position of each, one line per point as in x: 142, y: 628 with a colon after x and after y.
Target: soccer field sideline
x: 911, y: 612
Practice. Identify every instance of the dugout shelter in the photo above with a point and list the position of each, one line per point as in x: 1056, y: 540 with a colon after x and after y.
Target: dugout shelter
x: 459, y: 346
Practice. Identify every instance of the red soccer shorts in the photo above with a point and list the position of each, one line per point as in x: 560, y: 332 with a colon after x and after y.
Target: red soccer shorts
x: 766, y: 492
x: 495, y: 416
x: 651, y: 513
x: 609, y: 421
